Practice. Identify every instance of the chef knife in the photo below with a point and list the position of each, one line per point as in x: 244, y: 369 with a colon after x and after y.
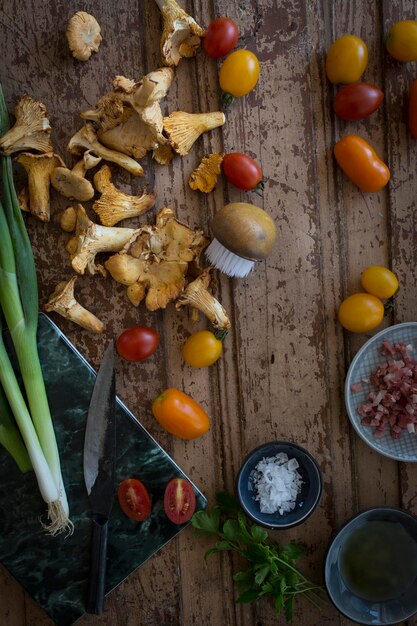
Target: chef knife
x: 99, y: 464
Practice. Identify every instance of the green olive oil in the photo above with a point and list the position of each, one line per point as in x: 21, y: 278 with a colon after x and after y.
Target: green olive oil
x: 378, y: 562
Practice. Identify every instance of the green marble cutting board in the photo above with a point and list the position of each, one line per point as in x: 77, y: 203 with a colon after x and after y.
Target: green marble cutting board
x: 54, y: 571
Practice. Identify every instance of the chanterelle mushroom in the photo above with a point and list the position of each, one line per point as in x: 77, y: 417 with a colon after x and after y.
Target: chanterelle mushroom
x: 163, y: 154
x: 68, y: 219
x: 86, y: 139
x: 39, y: 168
x: 155, y: 261
x: 72, y: 183
x: 83, y: 35
x: 23, y: 199
x: 183, y: 129
x: 62, y: 301
x: 90, y: 239
x: 130, y: 116
x: 181, y: 36
x: 205, y: 175
x: 197, y: 295
x: 115, y: 205
x: 31, y: 130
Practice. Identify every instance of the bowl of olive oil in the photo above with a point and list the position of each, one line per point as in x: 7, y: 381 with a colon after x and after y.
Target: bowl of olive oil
x: 371, y: 567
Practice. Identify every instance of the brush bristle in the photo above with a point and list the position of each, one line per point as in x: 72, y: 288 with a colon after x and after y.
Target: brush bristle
x: 228, y: 262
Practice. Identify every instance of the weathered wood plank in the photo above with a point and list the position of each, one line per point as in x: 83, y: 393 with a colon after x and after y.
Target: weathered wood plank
x: 365, y: 240
x: 403, y: 163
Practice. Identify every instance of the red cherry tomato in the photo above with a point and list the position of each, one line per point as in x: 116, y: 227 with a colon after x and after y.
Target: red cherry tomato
x: 412, y: 110
x: 137, y: 343
x: 179, y: 500
x: 242, y: 171
x: 357, y: 100
x: 221, y: 37
x: 134, y: 499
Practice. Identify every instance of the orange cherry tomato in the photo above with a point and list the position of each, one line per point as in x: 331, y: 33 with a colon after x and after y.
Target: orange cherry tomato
x: 361, y: 312
x: 361, y: 164
x: 346, y: 60
x: 379, y: 281
x: 412, y: 110
x: 180, y: 415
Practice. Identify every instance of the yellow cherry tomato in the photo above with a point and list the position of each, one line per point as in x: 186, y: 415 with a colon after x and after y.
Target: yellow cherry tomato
x: 346, y: 60
x: 402, y: 41
x: 202, y: 349
x: 379, y: 281
x: 239, y: 73
x: 361, y: 312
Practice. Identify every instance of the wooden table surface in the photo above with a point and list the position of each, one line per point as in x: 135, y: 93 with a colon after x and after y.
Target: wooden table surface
x: 284, y: 364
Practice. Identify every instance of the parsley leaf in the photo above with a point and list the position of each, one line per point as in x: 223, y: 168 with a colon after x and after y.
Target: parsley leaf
x: 271, y: 568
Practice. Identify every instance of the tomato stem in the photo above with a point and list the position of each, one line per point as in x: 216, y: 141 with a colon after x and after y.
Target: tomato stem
x: 220, y: 334
x: 389, y: 306
x: 227, y: 99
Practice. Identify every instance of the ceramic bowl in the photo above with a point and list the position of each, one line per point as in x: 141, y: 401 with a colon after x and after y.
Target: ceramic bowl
x: 364, y: 363
x: 307, y: 500
x: 358, y: 609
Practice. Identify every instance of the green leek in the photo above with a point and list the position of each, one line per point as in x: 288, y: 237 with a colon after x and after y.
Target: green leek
x: 19, y: 302
x: 10, y: 437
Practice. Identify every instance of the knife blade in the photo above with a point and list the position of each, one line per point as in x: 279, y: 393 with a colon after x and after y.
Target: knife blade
x: 99, y: 469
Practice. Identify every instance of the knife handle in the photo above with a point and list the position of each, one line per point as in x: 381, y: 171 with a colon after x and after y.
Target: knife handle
x: 96, y: 587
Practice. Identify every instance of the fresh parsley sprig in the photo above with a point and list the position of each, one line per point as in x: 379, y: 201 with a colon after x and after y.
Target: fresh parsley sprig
x: 271, y: 570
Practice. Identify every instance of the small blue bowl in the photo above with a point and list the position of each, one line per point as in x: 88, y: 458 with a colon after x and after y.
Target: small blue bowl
x: 351, y: 605
x: 307, y: 500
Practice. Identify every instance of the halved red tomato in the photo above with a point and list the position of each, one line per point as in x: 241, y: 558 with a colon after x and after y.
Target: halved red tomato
x: 134, y: 499
x: 179, y: 500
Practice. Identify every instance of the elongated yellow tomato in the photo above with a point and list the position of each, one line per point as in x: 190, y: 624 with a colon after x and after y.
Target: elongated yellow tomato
x: 379, y: 281
x: 361, y: 312
x: 346, y: 60
x: 402, y: 41
x: 202, y: 349
x: 361, y: 164
x: 239, y: 73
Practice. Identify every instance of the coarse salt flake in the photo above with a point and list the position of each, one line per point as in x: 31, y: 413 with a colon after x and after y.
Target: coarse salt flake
x: 277, y: 483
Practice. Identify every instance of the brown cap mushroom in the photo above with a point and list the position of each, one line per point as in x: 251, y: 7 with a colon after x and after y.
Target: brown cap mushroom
x: 72, y: 183
x: 114, y: 205
x: 183, y: 129
x: 31, y: 130
x: 83, y: 34
x: 39, y: 168
x: 63, y: 302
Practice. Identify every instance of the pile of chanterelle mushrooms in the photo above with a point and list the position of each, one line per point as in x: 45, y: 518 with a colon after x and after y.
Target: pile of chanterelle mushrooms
x: 153, y: 261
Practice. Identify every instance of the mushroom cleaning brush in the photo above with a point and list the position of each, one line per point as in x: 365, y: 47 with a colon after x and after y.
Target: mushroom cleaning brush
x: 243, y: 234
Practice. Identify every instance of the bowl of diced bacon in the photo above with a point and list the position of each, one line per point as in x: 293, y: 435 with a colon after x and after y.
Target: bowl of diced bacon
x: 381, y: 392
x: 279, y: 485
